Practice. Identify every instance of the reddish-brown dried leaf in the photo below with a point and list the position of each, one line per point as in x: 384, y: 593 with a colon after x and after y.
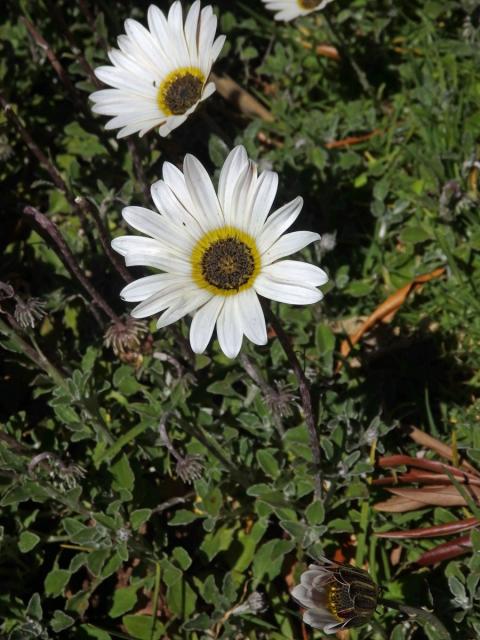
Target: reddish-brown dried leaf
x: 439, y: 496
x: 439, y: 447
x: 387, y: 462
x: 386, y: 309
x: 243, y: 101
x: 352, y: 140
x: 328, y: 51
x: 398, y: 504
x: 447, y: 529
x: 446, y: 551
x: 423, y: 478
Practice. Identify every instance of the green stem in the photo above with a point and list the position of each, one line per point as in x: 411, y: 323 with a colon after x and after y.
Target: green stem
x: 155, y: 599
x: 421, y: 614
x: 35, y: 355
x: 359, y: 72
x: 215, y: 449
x: 306, y: 398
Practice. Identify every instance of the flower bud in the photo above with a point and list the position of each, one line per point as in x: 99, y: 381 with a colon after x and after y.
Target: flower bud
x: 335, y: 596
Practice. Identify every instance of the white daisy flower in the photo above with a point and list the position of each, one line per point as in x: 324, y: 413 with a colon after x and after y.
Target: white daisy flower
x: 290, y: 9
x: 159, y: 74
x: 217, y: 253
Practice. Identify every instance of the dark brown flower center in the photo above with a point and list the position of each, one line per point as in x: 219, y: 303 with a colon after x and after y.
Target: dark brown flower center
x: 183, y: 93
x: 228, y: 264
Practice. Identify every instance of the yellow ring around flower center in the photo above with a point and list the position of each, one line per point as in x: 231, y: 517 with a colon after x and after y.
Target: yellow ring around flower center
x: 225, y: 261
x: 180, y: 90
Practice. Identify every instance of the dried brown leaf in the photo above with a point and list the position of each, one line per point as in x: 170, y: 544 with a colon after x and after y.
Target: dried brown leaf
x: 446, y: 529
x: 244, y: 101
x: 443, y: 450
x: 439, y: 496
x: 386, y: 310
x: 446, y: 551
x: 398, y: 504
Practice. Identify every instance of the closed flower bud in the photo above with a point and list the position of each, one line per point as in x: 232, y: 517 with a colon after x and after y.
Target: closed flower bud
x: 335, y: 596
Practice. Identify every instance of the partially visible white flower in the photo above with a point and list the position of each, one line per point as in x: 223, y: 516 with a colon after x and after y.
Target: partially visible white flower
x: 290, y: 9
x: 217, y: 253
x: 159, y: 74
x: 335, y: 596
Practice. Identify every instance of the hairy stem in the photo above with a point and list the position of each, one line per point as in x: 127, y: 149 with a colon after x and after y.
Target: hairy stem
x: 305, y: 396
x: 54, y: 61
x: 214, y: 448
x: 268, y: 392
x: 164, y: 437
x: 12, y: 331
x: 139, y: 171
x: 52, y: 6
x: 49, y: 229
x: 80, y: 204
x: 37, y: 357
x: 105, y: 238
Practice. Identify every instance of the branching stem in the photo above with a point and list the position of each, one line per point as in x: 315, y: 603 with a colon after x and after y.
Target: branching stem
x: 50, y: 229
x: 306, y: 398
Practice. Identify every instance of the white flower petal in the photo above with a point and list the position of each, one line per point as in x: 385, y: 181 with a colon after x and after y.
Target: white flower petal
x: 129, y: 83
x: 143, y: 288
x: 136, y: 244
x: 208, y: 22
x: 185, y: 304
x: 160, y: 228
x: 268, y: 287
x: 169, y: 206
x: 176, y: 181
x: 209, y: 90
x: 162, y: 300
x: 243, y: 197
x: 278, y: 223
x: 175, y: 22
x: 295, y: 271
x: 217, y: 48
x: 288, y: 244
x: 253, y: 320
x: 320, y: 620
x: 144, y: 42
x: 234, y: 166
x: 202, y: 192
x: 191, y: 29
x: 291, y: 9
x: 203, y: 324
x: 265, y: 193
x: 172, y: 123
x: 229, y: 330
x: 164, y: 261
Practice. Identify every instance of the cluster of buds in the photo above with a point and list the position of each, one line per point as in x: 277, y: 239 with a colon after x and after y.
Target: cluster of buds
x: 28, y: 311
x: 125, y: 339
x: 61, y: 475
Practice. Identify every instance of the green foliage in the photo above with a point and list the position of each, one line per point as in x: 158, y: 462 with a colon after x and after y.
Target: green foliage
x: 101, y: 537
